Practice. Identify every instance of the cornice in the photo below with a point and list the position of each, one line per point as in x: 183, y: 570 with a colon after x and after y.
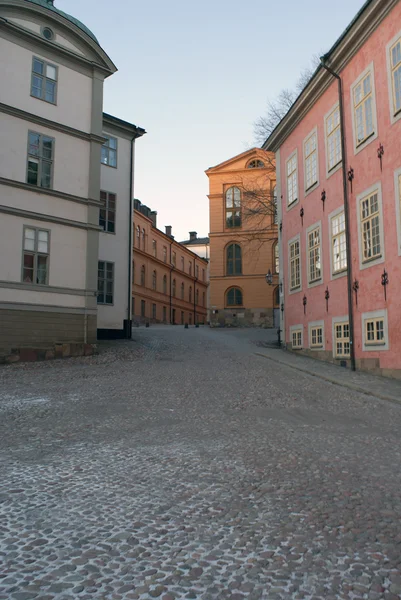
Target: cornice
x: 48, y: 192
x: 27, y: 214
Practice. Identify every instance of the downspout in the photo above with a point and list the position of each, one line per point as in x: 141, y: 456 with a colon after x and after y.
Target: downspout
x: 195, y: 280
x: 346, y: 212
x: 171, y: 272
x: 128, y: 332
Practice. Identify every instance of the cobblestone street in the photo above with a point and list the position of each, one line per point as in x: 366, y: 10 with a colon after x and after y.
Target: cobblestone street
x: 185, y: 465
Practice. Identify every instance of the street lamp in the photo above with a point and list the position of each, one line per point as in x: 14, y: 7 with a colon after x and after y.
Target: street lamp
x: 269, y: 277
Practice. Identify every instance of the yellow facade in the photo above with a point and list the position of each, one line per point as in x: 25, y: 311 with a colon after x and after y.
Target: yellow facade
x: 243, y: 240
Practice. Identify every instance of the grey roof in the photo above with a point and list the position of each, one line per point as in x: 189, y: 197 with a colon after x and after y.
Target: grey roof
x: 49, y: 6
x: 196, y: 242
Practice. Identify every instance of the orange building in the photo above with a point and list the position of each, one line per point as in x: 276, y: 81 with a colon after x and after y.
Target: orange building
x: 243, y: 241
x: 169, y: 281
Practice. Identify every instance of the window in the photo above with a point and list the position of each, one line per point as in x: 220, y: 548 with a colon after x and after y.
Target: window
x: 40, y: 160
x: 374, y: 331
x: 295, y: 268
x: 48, y: 33
x: 395, y: 64
x: 143, y: 275
x: 143, y: 308
x: 190, y: 318
x: 276, y: 297
x: 154, y: 280
x: 164, y: 254
x: 310, y: 155
x: 174, y: 288
x: 296, y: 339
x: 182, y: 263
x: 256, y: 164
x: 105, y: 282
x: 370, y: 227
x: 36, y: 256
x: 133, y: 305
x: 316, y: 337
x: 234, y: 259
x: 107, y: 214
x: 133, y: 271
x: 197, y: 297
x: 203, y: 299
x: 153, y: 311
x: 233, y: 205
x: 182, y: 291
x: 138, y: 236
x: 363, y: 109
x: 275, y: 213
x: 333, y: 139
x: 197, y: 271
x: 109, y: 151
x: 165, y: 284
x: 182, y: 317
x: 154, y: 247
x: 234, y: 297
x: 338, y: 245
x: 203, y: 274
x: 143, y: 239
x: 190, y: 268
x: 341, y: 342
x: 276, y: 259
x: 174, y: 258
x: 314, y: 263
x: 292, y: 180
x: 190, y: 294
x: 44, y: 80
x: 164, y: 314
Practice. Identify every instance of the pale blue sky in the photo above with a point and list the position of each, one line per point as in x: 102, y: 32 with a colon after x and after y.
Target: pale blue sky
x: 196, y: 75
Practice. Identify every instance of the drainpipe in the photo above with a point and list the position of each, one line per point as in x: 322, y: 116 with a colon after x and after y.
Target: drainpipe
x: 346, y: 211
x: 195, y: 280
x: 128, y: 332
x: 171, y: 273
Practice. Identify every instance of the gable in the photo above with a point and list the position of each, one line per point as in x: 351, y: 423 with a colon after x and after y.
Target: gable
x: 240, y: 162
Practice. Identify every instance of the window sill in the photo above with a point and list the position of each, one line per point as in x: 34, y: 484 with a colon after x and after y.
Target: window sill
x: 44, y: 100
x: 334, y: 169
x: 311, y: 188
x: 339, y: 272
x: 106, y: 165
x: 293, y: 203
x: 316, y: 347
x: 361, y: 145
x: 375, y: 344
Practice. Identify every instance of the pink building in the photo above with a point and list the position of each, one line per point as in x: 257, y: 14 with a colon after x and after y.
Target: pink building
x: 340, y: 220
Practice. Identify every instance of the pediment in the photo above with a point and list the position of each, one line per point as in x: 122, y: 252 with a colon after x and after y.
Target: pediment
x: 239, y: 162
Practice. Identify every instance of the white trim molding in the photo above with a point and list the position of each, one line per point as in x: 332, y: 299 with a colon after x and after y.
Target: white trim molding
x: 359, y: 147
x: 343, y: 272
x: 294, y: 202
x: 377, y: 187
x: 330, y: 172
x: 317, y: 225
x: 316, y: 325
x: 314, y: 185
x: 335, y: 321
x: 297, y: 289
x: 397, y: 197
x: 380, y: 314
x: 394, y: 115
x: 295, y: 329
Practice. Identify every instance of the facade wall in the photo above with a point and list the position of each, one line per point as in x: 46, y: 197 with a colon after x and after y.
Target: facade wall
x: 178, y: 310
x: 257, y: 237
x: 369, y: 178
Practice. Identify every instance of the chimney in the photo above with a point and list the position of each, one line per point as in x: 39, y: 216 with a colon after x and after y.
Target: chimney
x: 153, y: 216
x: 192, y: 236
x: 137, y: 204
x: 168, y: 230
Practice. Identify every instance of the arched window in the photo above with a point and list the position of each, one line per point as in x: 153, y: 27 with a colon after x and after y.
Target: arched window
x: 174, y: 287
x: 143, y: 239
x: 233, y: 207
x: 165, y: 284
x: 233, y: 260
x: 138, y: 236
x: 154, y: 280
x: 276, y: 258
x: 197, y: 297
x: 276, y: 297
x: 182, y: 291
x: 190, y: 294
x: 143, y: 275
x: 234, y: 297
x: 256, y: 164
x: 275, y: 214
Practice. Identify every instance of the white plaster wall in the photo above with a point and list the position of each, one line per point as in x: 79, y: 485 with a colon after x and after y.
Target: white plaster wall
x: 41, y: 298
x: 67, y: 266
x: 74, y: 90
x: 114, y: 248
x: 26, y: 23
x: 43, y: 204
x: 71, y: 155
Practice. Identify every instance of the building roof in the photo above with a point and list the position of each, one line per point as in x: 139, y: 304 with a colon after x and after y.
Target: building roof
x: 123, y: 126
x: 49, y: 5
x: 196, y: 242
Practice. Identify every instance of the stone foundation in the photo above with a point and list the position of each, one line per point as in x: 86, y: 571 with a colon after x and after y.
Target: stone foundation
x: 242, y: 317
x: 57, y: 351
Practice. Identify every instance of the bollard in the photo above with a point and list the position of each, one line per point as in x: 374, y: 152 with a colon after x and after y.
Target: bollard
x: 186, y: 326
x: 197, y: 325
x: 147, y: 324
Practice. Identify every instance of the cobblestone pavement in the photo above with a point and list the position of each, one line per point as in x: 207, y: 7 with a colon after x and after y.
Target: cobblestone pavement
x: 182, y: 465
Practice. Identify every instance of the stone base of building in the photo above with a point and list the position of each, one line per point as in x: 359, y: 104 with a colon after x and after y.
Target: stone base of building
x: 244, y: 317
x: 57, y: 351
x: 116, y: 334
x: 27, y: 329
x: 369, y: 365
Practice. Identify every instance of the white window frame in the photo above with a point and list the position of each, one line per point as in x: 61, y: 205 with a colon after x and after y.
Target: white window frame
x: 294, y: 202
x: 339, y: 321
x: 397, y: 198
x: 375, y: 315
x: 394, y: 116
x: 294, y: 290
x: 373, y: 136
x: 44, y: 79
x: 309, y: 230
x: 36, y: 253
x: 376, y: 188
x: 316, y: 325
x: 315, y: 184
x: 343, y: 272
x: 296, y: 329
x: 331, y: 170
x: 109, y: 151
x: 105, y: 280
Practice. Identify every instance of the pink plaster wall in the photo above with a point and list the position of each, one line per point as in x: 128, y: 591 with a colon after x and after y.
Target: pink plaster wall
x: 366, y: 166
